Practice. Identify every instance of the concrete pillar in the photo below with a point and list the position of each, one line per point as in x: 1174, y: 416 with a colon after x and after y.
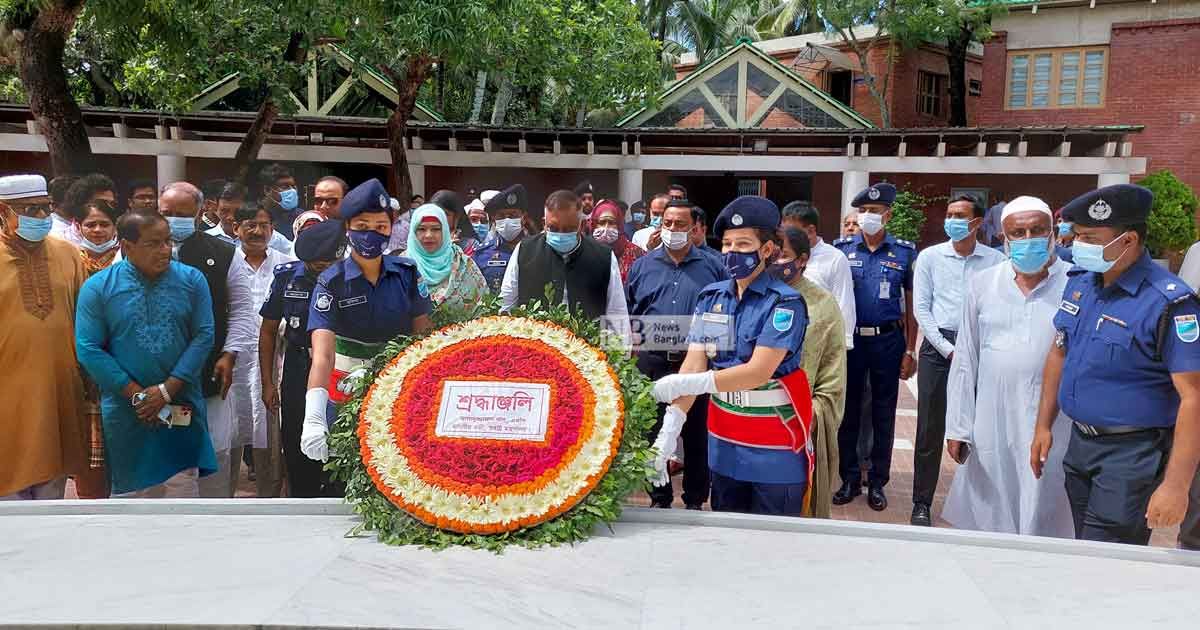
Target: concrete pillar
x: 1111, y: 179
x: 416, y: 177
x: 629, y: 185
x: 171, y: 168
x: 853, y: 182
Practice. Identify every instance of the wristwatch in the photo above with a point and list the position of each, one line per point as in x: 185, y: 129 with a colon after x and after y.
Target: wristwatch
x: 912, y: 354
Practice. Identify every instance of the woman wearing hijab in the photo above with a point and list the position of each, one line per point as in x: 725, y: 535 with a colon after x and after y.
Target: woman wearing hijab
x: 449, y: 274
x: 608, y: 223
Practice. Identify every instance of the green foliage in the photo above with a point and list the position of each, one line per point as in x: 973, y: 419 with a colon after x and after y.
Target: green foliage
x: 908, y: 215
x: 627, y: 473
x: 1172, y: 225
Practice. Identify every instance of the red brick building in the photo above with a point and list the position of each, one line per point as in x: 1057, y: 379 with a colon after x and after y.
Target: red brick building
x: 1097, y: 63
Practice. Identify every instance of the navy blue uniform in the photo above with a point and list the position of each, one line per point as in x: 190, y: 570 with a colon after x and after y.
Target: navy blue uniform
x: 492, y: 260
x: 878, y: 279
x: 1122, y: 344
x: 657, y: 287
x: 347, y: 304
x: 288, y: 302
x: 770, y: 314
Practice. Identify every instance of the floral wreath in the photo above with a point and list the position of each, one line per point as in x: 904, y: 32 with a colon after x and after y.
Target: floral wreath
x: 413, y: 485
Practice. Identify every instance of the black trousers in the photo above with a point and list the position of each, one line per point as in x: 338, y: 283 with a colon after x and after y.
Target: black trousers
x: 306, y: 477
x: 875, y: 360
x: 933, y: 370
x: 695, y: 438
x: 1109, y: 482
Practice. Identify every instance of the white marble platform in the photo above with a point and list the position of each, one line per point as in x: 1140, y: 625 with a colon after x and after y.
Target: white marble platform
x: 259, y: 564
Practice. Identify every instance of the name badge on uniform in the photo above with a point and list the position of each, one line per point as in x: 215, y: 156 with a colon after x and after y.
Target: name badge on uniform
x: 1069, y: 307
x: 354, y: 301
x: 300, y: 295
x: 497, y: 263
x: 294, y: 321
x: 856, y: 263
x: 715, y: 318
x: 885, y: 290
x: 1187, y: 328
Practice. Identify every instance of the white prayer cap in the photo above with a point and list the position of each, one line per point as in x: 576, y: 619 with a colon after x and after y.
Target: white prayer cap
x: 487, y: 195
x: 1026, y: 203
x: 22, y: 187
x: 477, y: 204
x: 394, y: 203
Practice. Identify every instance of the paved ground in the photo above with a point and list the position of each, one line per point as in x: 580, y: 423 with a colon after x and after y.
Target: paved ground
x: 899, y: 490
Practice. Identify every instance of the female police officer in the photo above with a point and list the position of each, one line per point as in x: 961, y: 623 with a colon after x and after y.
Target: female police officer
x: 359, y: 304
x: 744, y: 348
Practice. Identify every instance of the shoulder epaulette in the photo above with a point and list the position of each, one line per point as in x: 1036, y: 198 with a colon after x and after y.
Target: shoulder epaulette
x: 908, y: 244
x: 842, y: 241
x: 1172, y: 288
x: 287, y: 266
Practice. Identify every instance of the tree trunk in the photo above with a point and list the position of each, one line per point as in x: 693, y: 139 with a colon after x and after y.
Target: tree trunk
x: 254, y: 139
x: 407, y: 84
x: 503, y: 98
x: 441, y: 88
x: 956, y: 49
x: 45, y: 81
x: 480, y: 92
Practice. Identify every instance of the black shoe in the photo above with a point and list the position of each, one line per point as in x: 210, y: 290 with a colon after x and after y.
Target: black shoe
x: 921, y: 516
x: 846, y: 493
x: 695, y: 506
x: 666, y: 505
x: 876, y: 499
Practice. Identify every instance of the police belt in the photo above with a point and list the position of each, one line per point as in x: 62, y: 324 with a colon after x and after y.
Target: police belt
x: 755, y: 398
x: 1095, y: 431
x: 875, y: 331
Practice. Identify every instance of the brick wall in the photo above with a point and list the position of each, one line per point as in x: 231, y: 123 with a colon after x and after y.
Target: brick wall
x: 1152, y: 81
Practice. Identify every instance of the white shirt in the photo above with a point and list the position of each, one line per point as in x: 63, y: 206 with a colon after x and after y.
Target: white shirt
x: 65, y: 230
x: 616, y: 308
x: 1190, y: 271
x: 247, y: 386
x: 641, y: 238
x: 279, y: 242
x: 940, y: 277
x: 829, y: 269
x: 398, y: 241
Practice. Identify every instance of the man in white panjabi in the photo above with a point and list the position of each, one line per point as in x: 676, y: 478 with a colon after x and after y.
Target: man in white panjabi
x: 994, y: 385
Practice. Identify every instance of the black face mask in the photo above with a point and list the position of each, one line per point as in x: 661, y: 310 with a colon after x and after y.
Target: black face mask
x: 785, y: 271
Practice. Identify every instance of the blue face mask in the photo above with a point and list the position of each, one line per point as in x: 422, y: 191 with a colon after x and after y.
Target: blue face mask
x: 957, y: 229
x: 1029, y: 255
x: 368, y: 243
x: 1064, y: 228
x: 562, y: 242
x: 181, y: 228
x: 655, y: 221
x: 638, y: 217
x: 289, y: 199
x: 33, y: 229
x: 741, y: 264
x: 481, y: 230
x: 1091, y: 257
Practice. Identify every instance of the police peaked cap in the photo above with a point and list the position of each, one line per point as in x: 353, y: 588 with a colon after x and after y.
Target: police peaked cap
x: 512, y: 197
x: 882, y: 193
x: 747, y: 211
x: 369, y: 196
x: 323, y: 241
x: 1119, y: 205
x: 583, y: 188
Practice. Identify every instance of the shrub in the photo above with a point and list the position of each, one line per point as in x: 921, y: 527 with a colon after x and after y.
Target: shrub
x: 1172, y: 225
x: 908, y: 215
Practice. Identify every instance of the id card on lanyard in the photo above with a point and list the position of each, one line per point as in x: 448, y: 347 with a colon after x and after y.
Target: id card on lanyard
x: 885, y: 290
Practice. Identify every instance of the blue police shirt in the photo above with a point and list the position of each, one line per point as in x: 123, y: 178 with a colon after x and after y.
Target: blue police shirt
x: 1115, y: 373
x: 347, y: 304
x: 878, y: 277
x: 770, y: 314
x: 291, y: 292
x: 492, y: 260
x: 657, y: 286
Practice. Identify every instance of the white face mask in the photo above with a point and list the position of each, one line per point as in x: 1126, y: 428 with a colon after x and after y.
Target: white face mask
x: 870, y: 222
x: 674, y: 240
x: 508, y: 229
x: 98, y: 249
x: 605, y: 235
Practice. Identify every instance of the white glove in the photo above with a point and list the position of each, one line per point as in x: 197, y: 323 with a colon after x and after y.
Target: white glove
x: 668, y: 437
x: 312, y: 437
x: 672, y: 387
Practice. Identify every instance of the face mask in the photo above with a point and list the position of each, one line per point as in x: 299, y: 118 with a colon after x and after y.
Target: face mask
x: 957, y: 229
x: 784, y: 270
x: 32, y: 229
x: 562, y: 242
x: 98, y: 249
x: 508, y: 229
x: 368, y: 243
x: 289, y: 199
x: 1064, y: 228
x: 606, y: 235
x: 674, y: 240
x: 1029, y: 255
x: 481, y: 230
x: 870, y: 223
x: 1091, y: 257
x: 741, y: 264
x: 181, y: 228
x: 655, y: 221
x: 638, y: 217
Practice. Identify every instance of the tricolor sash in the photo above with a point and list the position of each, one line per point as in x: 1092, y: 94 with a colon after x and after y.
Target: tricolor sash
x: 787, y: 425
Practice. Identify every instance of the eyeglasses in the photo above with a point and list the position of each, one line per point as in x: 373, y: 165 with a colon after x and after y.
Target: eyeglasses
x: 326, y: 201
x: 37, y: 211
x: 256, y: 226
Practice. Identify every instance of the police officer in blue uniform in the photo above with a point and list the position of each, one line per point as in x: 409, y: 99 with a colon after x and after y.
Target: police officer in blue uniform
x: 317, y: 247
x: 744, y: 348
x: 1125, y: 369
x: 507, y: 211
x: 359, y: 304
x: 881, y: 265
